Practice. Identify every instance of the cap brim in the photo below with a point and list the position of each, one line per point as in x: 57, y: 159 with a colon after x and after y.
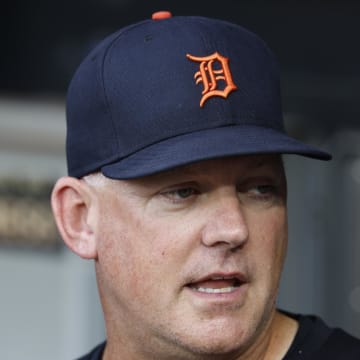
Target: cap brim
x: 208, y: 144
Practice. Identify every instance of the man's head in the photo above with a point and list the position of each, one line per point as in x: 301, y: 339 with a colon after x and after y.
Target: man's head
x: 188, y: 261
x: 177, y: 188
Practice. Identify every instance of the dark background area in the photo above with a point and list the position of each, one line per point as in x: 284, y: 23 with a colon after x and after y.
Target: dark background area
x: 316, y: 42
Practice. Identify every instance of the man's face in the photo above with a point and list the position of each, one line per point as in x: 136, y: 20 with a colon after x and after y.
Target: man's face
x: 189, y: 260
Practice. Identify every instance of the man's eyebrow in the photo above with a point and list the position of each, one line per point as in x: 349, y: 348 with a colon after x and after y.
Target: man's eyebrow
x: 259, y: 162
x: 266, y: 160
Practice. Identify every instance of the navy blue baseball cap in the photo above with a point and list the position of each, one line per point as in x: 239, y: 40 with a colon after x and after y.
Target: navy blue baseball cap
x: 170, y: 91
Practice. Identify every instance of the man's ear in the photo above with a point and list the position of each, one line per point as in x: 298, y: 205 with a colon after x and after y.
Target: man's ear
x: 71, y: 202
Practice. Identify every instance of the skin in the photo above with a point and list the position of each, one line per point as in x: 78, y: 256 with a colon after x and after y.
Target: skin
x: 164, y: 242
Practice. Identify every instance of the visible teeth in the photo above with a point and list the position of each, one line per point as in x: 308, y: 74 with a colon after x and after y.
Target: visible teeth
x: 215, y: 291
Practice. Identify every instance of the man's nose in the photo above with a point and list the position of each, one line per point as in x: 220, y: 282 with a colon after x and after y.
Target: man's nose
x: 226, y: 222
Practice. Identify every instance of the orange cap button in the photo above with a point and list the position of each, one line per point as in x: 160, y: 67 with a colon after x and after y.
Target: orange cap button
x: 161, y: 15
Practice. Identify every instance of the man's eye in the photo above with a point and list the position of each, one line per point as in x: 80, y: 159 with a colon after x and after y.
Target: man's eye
x: 261, y: 192
x: 180, y: 194
x: 263, y: 189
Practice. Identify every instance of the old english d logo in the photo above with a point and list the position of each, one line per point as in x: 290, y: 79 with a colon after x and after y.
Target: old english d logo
x: 215, y: 75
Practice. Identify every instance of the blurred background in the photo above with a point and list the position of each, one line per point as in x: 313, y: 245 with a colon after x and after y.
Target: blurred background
x: 49, y: 308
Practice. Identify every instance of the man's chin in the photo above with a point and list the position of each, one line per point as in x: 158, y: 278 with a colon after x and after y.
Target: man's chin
x: 222, y: 343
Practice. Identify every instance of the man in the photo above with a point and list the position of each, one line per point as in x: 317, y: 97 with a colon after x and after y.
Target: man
x: 177, y: 191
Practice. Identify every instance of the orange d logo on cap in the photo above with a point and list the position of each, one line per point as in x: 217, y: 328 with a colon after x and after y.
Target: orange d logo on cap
x: 210, y: 76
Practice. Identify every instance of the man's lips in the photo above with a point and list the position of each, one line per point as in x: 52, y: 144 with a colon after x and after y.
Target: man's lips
x: 218, y: 283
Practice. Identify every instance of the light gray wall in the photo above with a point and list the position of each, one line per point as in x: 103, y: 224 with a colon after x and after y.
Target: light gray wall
x: 49, y: 307
x: 322, y: 272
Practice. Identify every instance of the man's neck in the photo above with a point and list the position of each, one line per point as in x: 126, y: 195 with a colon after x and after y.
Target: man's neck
x: 274, y: 346
x: 282, y: 336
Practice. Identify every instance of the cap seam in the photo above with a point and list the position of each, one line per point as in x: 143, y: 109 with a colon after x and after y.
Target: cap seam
x: 106, y: 52
x: 245, y: 121
x: 119, y: 158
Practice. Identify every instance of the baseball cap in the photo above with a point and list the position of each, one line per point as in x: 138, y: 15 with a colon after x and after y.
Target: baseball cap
x: 173, y: 90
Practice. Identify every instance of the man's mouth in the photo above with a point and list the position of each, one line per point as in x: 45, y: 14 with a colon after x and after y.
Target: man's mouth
x: 217, y: 284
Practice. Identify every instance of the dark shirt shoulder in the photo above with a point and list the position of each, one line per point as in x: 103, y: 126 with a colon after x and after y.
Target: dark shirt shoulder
x: 95, y: 354
x: 316, y: 340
